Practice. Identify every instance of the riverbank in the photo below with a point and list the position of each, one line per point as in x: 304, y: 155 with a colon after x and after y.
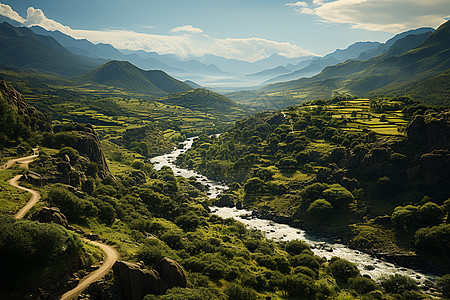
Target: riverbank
x: 325, y: 243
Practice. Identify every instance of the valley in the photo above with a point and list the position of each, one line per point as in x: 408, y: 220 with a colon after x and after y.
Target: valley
x: 125, y: 176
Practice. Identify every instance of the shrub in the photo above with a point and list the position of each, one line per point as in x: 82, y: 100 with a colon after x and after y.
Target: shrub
x: 70, y: 152
x: 432, y: 238
x: 30, y: 248
x: 178, y: 293
x: 306, y: 260
x: 299, y: 286
x: 320, y: 208
x: 342, y: 270
x: 239, y: 292
x: 338, y: 196
x: 443, y: 285
x: 397, y: 284
x: 73, y: 207
x: 296, y: 247
x: 362, y: 285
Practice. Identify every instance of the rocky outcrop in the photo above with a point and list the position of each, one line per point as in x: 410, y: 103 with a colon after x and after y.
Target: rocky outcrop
x: 88, y: 145
x: 50, y: 215
x: 171, y: 272
x: 132, y: 281
x: 436, y: 167
x: 431, y: 131
x: 39, y: 121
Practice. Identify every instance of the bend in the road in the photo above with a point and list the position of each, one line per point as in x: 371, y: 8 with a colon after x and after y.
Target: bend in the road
x: 111, y: 258
x: 110, y: 252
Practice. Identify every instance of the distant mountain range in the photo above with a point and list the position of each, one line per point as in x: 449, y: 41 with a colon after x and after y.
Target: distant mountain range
x: 410, y: 58
x: 123, y: 74
x: 22, y: 48
x: 359, y: 50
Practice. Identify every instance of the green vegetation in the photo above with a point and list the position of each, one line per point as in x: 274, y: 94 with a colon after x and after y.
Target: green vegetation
x: 340, y: 165
x: 31, y: 251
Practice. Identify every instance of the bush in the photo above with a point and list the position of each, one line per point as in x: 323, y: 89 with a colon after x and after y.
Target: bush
x: 306, y: 260
x: 296, y: 247
x: 432, y: 238
x: 342, y: 270
x: 443, y: 285
x: 239, y: 292
x: 178, y: 293
x: 362, y: 285
x: 320, y: 208
x: 405, y: 218
x: 73, y: 207
x: 31, y: 248
x: 338, y: 196
x: 70, y: 152
x: 397, y: 284
x: 299, y: 286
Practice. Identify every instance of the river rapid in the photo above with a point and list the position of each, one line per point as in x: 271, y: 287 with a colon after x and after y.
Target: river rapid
x: 367, y: 264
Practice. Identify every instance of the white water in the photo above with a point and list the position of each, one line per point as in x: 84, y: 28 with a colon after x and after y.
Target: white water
x: 367, y: 264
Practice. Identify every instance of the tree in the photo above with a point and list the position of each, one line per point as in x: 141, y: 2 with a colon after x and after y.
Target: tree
x: 342, y: 270
x: 443, y: 285
x: 397, y: 284
x: 296, y: 247
x: 320, y: 208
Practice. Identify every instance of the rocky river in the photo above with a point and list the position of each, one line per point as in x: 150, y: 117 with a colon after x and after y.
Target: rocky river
x: 368, y: 265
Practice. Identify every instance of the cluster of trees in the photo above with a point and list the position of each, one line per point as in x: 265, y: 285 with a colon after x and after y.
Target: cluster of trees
x: 28, y: 248
x: 211, y: 249
x: 426, y: 222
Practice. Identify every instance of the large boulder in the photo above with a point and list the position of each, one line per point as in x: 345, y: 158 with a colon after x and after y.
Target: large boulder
x: 89, y: 146
x: 436, y: 167
x: 133, y: 283
x: 171, y: 272
x: 49, y: 215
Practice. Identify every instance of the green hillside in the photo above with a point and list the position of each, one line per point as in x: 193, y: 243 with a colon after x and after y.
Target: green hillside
x: 22, y: 48
x: 125, y: 75
x: 207, y: 101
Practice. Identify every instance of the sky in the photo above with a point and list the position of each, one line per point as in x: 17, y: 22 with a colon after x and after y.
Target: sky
x: 240, y: 29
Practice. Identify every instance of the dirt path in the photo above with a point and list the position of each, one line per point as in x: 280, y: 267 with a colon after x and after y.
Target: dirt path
x: 111, y: 254
x: 35, y: 196
x: 111, y: 257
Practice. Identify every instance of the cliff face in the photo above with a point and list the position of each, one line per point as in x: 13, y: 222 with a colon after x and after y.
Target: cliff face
x: 431, y: 131
x: 88, y: 145
x: 38, y: 120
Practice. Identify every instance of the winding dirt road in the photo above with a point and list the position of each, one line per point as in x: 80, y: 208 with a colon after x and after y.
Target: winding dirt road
x: 35, y: 197
x: 111, y: 254
x: 111, y: 257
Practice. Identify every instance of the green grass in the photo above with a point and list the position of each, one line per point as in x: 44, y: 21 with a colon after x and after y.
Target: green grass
x: 11, y: 199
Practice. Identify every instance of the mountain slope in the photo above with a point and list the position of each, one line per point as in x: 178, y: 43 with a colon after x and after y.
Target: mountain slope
x: 429, y: 58
x: 270, y: 72
x: 22, y: 48
x: 125, y: 75
x: 206, y: 101
x: 318, y: 64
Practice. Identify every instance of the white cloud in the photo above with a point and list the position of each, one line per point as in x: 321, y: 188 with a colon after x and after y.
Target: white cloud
x: 37, y: 17
x: 250, y: 49
x: 298, y: 4
x: 382, y: 15
x: 187, y: 29
x: 318, y: 2
x: 7, y: 11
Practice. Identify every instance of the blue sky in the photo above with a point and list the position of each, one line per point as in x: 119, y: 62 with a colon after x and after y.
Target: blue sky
x: 245, y: 29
